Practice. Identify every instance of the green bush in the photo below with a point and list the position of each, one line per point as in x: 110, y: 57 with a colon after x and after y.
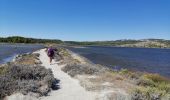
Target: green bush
x: 152, y: 87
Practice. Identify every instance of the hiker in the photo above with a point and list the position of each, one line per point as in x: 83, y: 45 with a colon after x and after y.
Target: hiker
x: 50, y: 53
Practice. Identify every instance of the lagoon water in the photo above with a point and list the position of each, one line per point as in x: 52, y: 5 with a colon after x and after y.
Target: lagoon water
x: 141, y: 59
x: 8, y: 51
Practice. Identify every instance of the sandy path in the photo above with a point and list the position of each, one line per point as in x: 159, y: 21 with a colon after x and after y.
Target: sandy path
x: 70, y: 88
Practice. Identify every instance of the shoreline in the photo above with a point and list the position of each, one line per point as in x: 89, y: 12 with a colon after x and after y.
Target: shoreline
x: 102, y: 82
x: 22, y: 43
x: 8, y: 59
x: 77, y: 56
x: 13, y: 57
x: 16, y: 46
x: 112, y: 65
x: 86, y: 60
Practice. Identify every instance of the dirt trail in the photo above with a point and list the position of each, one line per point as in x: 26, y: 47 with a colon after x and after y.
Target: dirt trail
x: 70, y: 88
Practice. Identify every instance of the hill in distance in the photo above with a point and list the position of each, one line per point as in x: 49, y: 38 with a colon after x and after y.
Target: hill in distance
x: 143, y: 43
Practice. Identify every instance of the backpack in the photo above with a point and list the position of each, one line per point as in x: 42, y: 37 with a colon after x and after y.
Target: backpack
x: 50, y: 52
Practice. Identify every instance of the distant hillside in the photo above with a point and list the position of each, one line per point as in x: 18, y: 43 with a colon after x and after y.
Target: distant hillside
x: 150, y: 43
x: 18, y: 39
x: 146, y: 43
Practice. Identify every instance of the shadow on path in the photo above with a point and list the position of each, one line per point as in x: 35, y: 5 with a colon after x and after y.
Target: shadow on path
x: 55, y: 85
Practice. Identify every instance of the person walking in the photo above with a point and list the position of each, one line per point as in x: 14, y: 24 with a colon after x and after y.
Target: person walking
x: 50, y: 53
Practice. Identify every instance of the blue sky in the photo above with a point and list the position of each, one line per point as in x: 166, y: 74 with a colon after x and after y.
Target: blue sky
x: 85, y: 20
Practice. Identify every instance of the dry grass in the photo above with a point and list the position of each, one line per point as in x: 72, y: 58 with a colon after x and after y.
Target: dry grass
x: 151, y: 87
x: 3, y: 69
x: 156, y: 78
x: 27, y: 59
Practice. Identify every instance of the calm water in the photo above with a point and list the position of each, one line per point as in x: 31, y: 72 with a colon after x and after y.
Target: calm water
x: 142, y: 59
x: 8, y: 51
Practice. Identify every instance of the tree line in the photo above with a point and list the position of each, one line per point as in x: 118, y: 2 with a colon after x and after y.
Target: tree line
x: 18, y: 39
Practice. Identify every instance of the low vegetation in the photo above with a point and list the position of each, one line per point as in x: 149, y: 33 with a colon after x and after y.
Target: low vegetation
x: 147, y: 86
x: 27, y: 59
x: 25, y: 76
x: 81, y: 69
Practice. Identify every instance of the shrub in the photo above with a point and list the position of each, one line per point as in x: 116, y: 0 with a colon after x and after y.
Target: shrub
x: 148, y: 93
x: 153, y: 87
x: 139, y: 94
x: 123, y: 71
x: 22, y: 78
x: 75, y: 69
x: 2, y: 70
x: 145, y: 82
x: 156, y: 78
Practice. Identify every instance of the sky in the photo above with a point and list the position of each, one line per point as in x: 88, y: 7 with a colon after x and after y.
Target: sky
x: 85, y: 20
